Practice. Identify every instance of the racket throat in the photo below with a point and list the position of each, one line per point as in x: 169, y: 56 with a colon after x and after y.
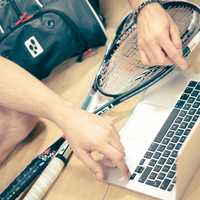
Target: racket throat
x: 94, y: 101
x: 104, y: 109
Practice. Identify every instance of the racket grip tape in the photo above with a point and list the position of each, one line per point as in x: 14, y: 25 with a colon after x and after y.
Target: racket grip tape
x: 50, y: 174
x: 31, y: 172
x: 45, y: 181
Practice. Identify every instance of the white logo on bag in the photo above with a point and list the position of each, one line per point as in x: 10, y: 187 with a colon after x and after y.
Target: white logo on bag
x: 34, y: 47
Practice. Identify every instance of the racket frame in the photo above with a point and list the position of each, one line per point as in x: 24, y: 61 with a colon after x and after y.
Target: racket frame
x: 28, y: 175
x: 118, y: 98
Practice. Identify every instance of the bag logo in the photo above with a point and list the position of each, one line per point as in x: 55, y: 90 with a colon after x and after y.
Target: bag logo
x: 34, y: 47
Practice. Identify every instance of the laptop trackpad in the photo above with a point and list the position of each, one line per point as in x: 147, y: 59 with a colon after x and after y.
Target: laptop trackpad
x: 144, y: 123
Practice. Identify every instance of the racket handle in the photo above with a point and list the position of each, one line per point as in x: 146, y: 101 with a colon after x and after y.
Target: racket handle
x: 31, y: 172
x: 86, y: 102
x: 45, y: 181
x: 50, y: 174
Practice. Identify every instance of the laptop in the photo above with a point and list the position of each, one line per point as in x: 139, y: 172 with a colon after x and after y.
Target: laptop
x: 161, y: 139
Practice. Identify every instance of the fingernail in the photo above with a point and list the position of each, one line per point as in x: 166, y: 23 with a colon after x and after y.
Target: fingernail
x: 128, y: 173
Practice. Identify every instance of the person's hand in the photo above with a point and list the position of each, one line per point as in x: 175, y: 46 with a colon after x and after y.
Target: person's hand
x: 159, y: 40
x: 89, y: 133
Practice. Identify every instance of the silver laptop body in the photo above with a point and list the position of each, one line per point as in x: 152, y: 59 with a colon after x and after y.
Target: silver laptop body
x: 142, y: 127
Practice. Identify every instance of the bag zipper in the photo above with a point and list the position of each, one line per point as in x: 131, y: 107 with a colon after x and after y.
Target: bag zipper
x: 24, y: 18
x: 59, y: 13
x: 15, y: 8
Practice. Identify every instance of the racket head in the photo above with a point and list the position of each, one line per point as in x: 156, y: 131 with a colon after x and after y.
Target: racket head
x: 187, y: 17
x: 122, y: 71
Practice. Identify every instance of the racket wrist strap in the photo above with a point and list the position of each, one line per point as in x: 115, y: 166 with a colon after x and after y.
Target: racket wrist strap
x: 142, y: 5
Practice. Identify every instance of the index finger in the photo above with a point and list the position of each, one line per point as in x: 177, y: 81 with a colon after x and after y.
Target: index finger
x: 116, y: 157
x: 115, y: 140
x: 173, y: 53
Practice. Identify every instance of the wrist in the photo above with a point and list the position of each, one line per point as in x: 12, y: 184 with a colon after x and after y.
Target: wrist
x: 153, y: 7
x: 144, y: 4
x: 65, y: 115
x: 57, y: 108
x: 137, y: 3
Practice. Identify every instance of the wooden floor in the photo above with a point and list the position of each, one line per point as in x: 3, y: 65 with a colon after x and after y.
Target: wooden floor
x: 72, y: 82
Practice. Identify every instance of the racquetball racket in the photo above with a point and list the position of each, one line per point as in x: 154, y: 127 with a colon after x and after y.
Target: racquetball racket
x: 122, y: 75
x: 50, y: 174
x: 30, y: 173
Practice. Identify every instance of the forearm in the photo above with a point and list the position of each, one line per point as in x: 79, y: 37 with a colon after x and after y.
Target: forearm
x: 22, y: 92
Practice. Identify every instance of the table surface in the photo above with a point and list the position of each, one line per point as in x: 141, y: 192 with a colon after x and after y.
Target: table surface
x: 76, y: 182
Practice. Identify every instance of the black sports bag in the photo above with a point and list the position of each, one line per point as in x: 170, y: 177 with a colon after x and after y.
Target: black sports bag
x: 40, y: 34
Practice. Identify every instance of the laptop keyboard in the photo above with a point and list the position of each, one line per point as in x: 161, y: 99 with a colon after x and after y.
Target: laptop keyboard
x: 158, y: 166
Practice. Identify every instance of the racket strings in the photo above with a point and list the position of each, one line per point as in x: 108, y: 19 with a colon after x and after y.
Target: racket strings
x: 106, y: 69
x: 187, y: 21
x: 182, y: 17
x: 121, y: 70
